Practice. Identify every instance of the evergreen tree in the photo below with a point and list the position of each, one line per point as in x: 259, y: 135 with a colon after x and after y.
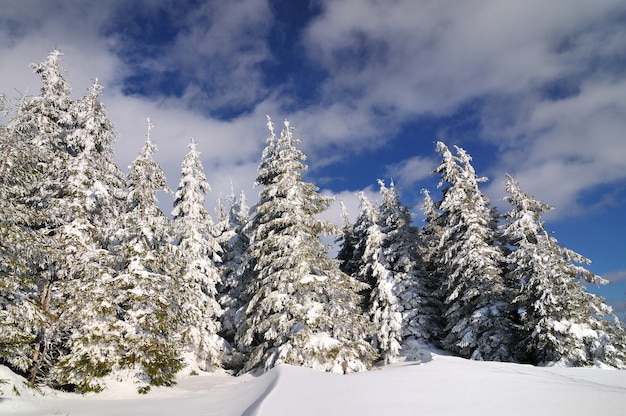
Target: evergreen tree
x: 430, y: 251
x: 366, y: 236
x: 42, y: 126
x: 93, y: 200
x: 412, y: 286
x: 385, y: 255
x: 347, y: 242
x: 562, y: 322
x: 381, y: 303
x: 302, y: 310
x: 234, y: 241
x: 141, y: 291
x: 478, y: 319
x: 22, y: 250
x: 94, y: 168
x: 198, y: 252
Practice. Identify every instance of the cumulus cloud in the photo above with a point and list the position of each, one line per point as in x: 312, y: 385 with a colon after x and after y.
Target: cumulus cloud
x: 410, y: 171
x: 546, y: 79
x: 616, y: 276
x: 212, y: 55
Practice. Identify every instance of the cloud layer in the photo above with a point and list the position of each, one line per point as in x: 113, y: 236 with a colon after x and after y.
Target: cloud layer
x: 543, y: 82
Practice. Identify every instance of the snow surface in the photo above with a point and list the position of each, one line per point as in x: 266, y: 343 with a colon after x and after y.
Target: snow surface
x: 444, y: 385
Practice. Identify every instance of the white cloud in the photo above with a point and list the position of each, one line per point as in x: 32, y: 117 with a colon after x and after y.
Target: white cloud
x: 568, y: 146
x: 422, y: 57
x: 220, y: 52
x: 387, y: 63
x: 616, y: 276
x: 408, y: 172
x: 230, y: 149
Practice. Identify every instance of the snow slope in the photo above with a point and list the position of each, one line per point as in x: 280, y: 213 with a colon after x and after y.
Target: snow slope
x: 443, y: 386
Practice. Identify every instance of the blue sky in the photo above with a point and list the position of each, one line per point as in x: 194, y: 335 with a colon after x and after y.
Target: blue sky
x: 532, y: 88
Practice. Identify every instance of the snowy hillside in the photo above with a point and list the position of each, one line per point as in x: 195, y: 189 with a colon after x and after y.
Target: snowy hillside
x: 443, y: 386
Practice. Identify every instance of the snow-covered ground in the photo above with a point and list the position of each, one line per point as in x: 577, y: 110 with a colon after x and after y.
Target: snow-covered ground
x: 443, y: 386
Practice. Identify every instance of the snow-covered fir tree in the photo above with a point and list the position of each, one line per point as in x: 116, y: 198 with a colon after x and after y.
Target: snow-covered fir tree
x: 45, y: 123
x: 430, y: 252
x: 302, y: 310
x: 561, y: 321
x: 197, y: 254
x: 94, y: 167
x: 346, y: 242
x: 478, y: 318
x: 382, y: 303
x: 233, y: 239
x: 364, y: 232
x: 141, y: 292
x: 412, y: 286
x: 22, y: 250
x: 400, y: 300
x: 93, y: 199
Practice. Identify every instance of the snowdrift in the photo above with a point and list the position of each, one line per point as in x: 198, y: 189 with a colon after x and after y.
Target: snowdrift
x: 444, y: 386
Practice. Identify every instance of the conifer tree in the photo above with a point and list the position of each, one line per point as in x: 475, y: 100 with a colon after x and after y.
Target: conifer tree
x: 430, y: 251
x: 22, y: 250
x: 141, y: 291
x: 412, y: 286
x: 42, y: 126
x: 366, y: 253
x: 400, y: 300
x: 94, y: 167
x: 197, y: 252
x: 478, y: 320
x: 562, y: 322
x: 233, y: 239
x: 346, y: 242
x: 381, y: 302
x: 93, y: 199
x: 302, y: 310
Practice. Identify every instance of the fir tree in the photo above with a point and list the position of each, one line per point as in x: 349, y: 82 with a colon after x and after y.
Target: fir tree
x: 366, y: 235
x: 430, y: 251
x: 197, y: 252
x: 562, y: 322
x: 478, y: 320
x: 381, y: 303
x: 42, y: 126
x: 302, y: 310
x: 141, y: 291
x: 347, y: 243
x: 91, y: 141
x: 234, y: 241
x: 412, y: 286
x: 22, y: 250
x: 83, y: 196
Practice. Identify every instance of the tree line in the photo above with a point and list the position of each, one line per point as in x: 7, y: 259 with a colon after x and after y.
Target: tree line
x: 97, y: 283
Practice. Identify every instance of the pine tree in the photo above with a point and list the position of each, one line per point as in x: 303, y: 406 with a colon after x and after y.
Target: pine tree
x: 412, y: 285
x: 22, y: 250
x: 93, y: 200
x: 71, y: 143
x: 562, y: 322
x: 430, y: 252
x: 141, y: 292
x: 234, y: 241
x: 381, y: 303
x: 198, y: 252
x: 347, y: 244
x: 91, y: 141
x: 478, y: 319
x: 367, y: 239
x: 42, y: 126
x: 302, y: 310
